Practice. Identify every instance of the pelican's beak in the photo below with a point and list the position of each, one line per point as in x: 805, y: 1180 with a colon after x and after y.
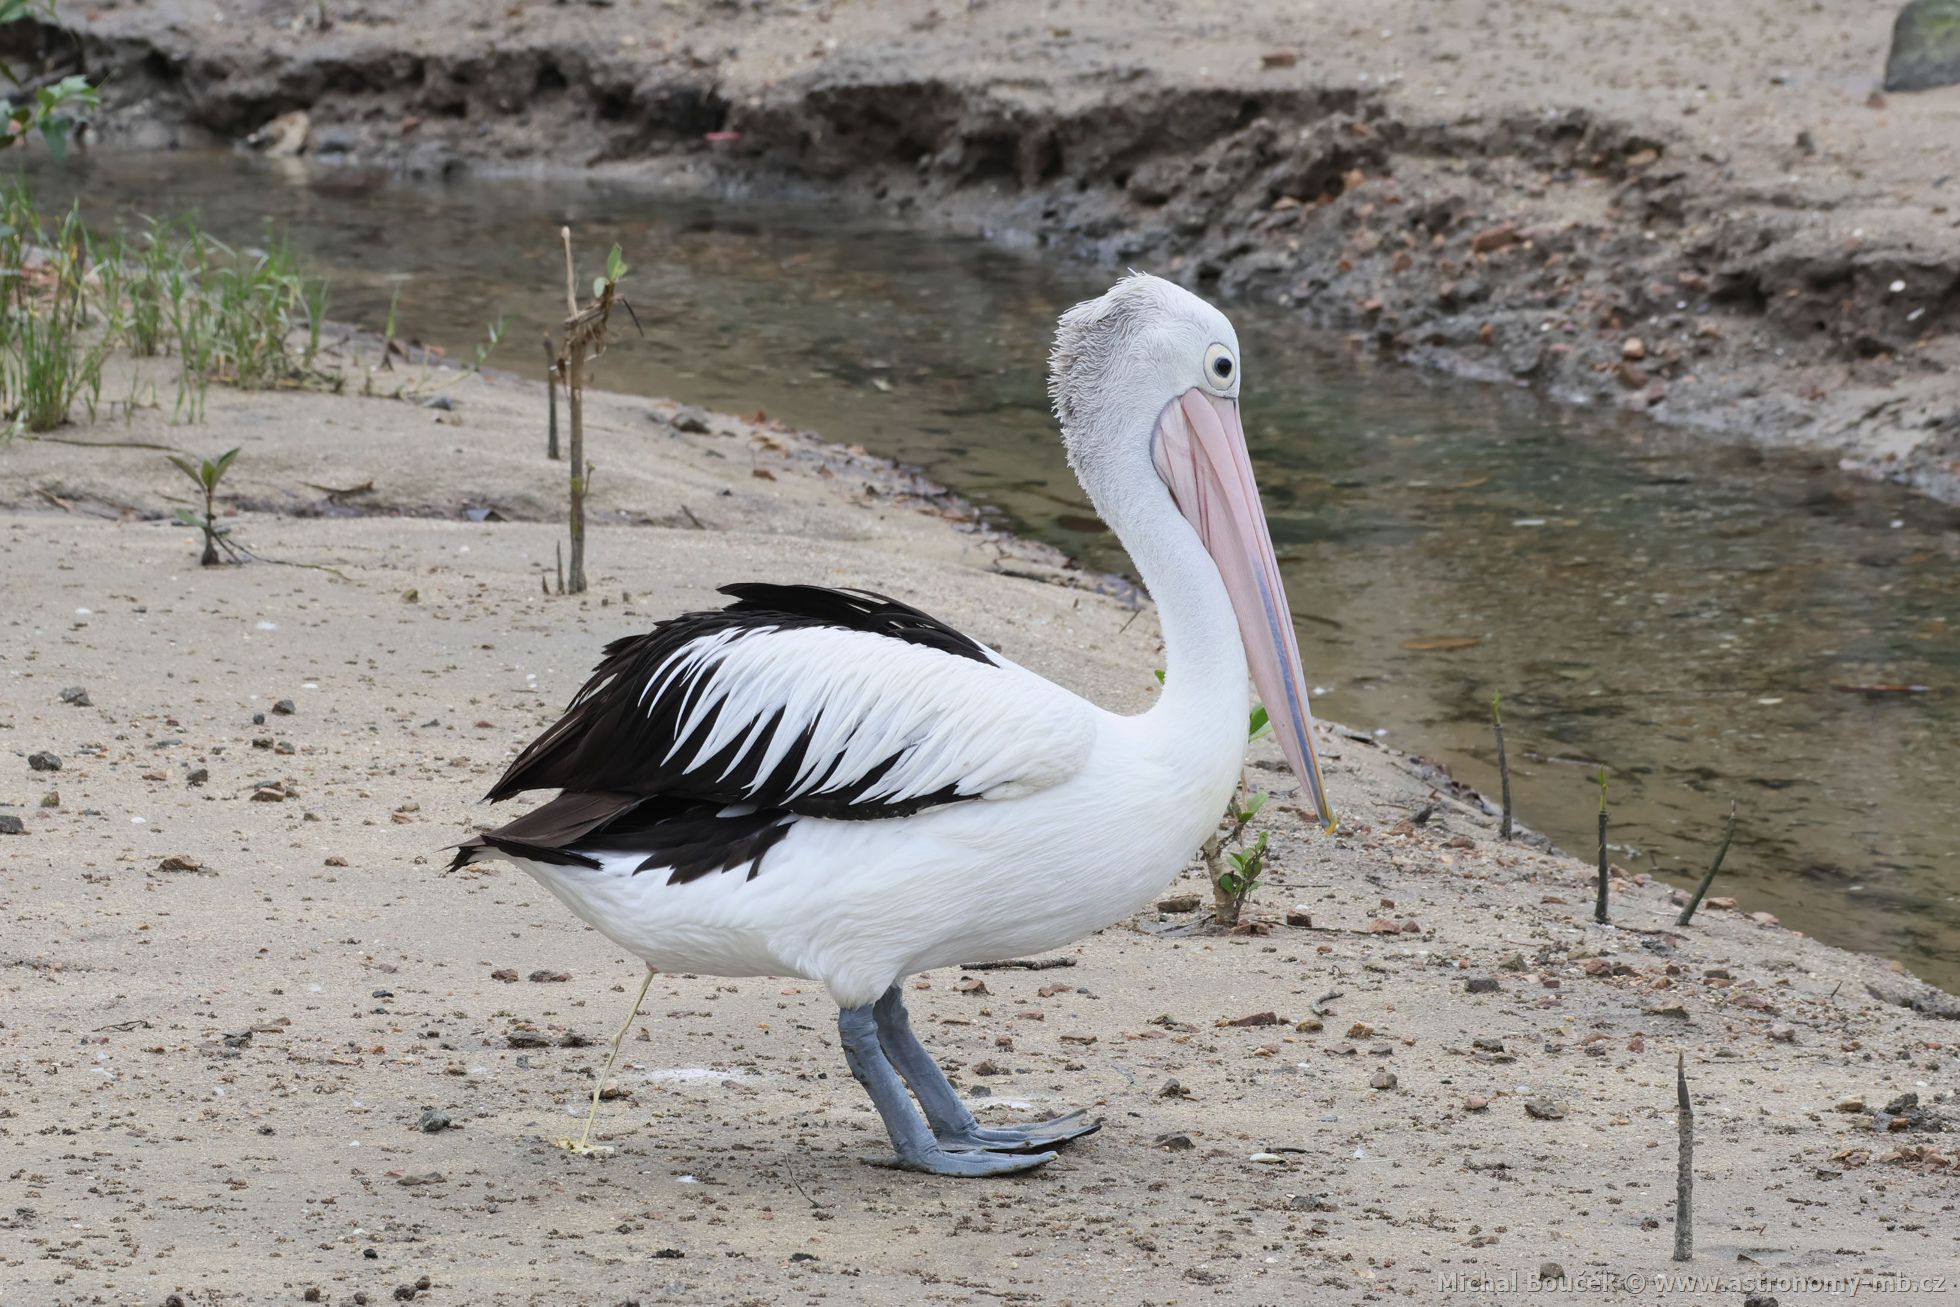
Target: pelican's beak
x: 1199, y: 451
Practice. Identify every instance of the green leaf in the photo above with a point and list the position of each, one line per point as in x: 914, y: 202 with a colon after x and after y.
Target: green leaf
x: 225, y: 460
x: 598, y: 287
x: 185, y: 466
x: 615, y: 265
x: 189, y: 518
x: 1253, y: 805
x: 1160, y: 676
x: 1259, y: 724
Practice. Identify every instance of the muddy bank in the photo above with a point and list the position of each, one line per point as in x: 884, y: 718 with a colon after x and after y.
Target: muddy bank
x: 261, y: 1050
x: 1713, y: 218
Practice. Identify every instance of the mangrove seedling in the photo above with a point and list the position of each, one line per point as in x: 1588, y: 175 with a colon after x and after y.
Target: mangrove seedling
x: 206, y: 475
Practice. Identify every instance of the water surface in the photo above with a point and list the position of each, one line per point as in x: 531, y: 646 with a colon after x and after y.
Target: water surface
x: 1706, y: 623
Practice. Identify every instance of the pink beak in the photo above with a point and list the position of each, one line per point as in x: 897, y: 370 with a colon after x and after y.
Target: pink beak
x: 1199, y: 451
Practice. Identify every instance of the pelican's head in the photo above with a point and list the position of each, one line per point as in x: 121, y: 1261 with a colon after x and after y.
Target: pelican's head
x: 1145, y: 380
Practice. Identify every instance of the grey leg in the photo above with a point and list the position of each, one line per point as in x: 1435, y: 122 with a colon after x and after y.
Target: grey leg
x: 952, y: 1121
x: 917, y: 1149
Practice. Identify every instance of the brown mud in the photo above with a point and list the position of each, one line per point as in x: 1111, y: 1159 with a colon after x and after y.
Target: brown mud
x: 1710, y: 216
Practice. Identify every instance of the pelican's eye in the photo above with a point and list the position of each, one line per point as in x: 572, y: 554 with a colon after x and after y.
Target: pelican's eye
x: 1221, y: 370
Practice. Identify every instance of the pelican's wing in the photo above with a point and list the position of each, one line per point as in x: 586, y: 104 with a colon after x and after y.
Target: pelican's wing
x: 808, y: 701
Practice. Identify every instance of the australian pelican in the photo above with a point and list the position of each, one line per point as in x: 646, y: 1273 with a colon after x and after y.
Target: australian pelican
x: 833, y: 785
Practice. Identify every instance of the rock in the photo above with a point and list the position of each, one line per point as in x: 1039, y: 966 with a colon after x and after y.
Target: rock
x: 1360, y: 1030
x: 528, y: 1039
x: 988, y: 1067
x: 1302, y: 920
x: 1852, y: 1104
x: 197, y: 776
x: 1495, y: 238
x: 1480, y: 985
x: 1487, y: 1044
x: 285, y: 708
x: 11, y: 825
x: 44, y: 761
x: 1175, y: 1143
x: 542, y: 977
x: 425, y: 1177
x: 1253, y: 1019
x: 1783, y: 1034
x: 77, y: 695
x: 1172, y: 1089
x: 1267, y: 1159
x: 180, y: 862
x: 690, y: 419
x: 1178, y: 903
x: 1633, y: 348
x: 1544, y: 1109
x: 1382, y: 1079
x: 506, y: 974
x: 1475, y: 1103
x: 434, y: 1121
x: 52, y: 799
x: 1925, y: 46
x: 1311, y: 1026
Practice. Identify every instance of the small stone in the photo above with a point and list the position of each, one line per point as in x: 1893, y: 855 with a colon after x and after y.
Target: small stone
x: 1852, y: 1104
x: 1925, y: 47
x: 44, y: 761
x: 1360, y: 1030
x: 1253, y: 1019
x: 335, y: 860
x: 180, y: 862
x: 1175, y: 1143
x: 11, y: 825
x: 434, y: 1121
x: 972, y: 985
x: 1172, y: 1089
x: 52, y: 799
x: 1633, y: 348
x: 1382, y: 1079
x: 1267, y: 1159
x: 506, y: 974
x: 1481, y: 985
x: 1311, y: 1026
x: 542, y: 977
x: 1783, y: 1034
x: 528, y: 1039
x: 197, y: 776
x: 1544, y: 1109
x: 1515, y: 962
x: 284, y: 708
x: 1302, y: 920
x: 258, y: 719
x: 77, y: 695
x: 1550, y: 1271
x: 1178, y: 903
x: 1721, y: 901
x: 988, y: 1067
x: 1494, y: 238
x: 690, y: 419
x: 1487, y: 1044
x: 414, y: 1180
x: 1475, y: 1103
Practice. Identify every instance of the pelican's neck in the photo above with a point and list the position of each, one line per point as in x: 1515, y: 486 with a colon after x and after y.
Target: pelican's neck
x: 1205, y: 681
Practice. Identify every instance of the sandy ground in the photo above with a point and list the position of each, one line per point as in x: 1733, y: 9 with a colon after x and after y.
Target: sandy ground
x: 1707, y: 213
x: 214, y: 1076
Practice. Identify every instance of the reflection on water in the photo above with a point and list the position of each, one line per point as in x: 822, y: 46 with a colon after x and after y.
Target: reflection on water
x: 1707, y: 624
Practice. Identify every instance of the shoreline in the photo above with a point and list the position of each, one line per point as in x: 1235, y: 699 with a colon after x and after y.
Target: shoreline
x: 1768, y: 259
x: 244, y: 1003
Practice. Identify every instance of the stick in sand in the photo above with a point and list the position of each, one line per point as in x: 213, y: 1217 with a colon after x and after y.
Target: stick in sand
x: 1599, y: 908
x: 1684, y: 1166
x: 1503, y: 768
x: 551, y: 392
x: 1728, y: 833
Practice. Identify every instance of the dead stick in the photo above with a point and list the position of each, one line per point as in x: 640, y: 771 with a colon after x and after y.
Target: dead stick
x: 1728, y: 833
x: 1020, y: 964
x: 575, y: 403
x: 1503, y: 768
x: 1599, y: 907
x: 1684, y: 1166
x: 551, y: 391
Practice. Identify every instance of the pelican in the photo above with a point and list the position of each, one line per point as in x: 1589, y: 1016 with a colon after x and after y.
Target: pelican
x: 832, y: 785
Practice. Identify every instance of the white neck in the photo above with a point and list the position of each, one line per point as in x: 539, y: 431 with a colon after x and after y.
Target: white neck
x: 1206, y: 689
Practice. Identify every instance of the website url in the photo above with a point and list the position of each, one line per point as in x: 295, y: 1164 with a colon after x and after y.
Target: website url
x: 1662, y: 1283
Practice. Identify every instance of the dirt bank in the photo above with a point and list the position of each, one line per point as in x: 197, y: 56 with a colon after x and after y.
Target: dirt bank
x: 1709, y: 215
x: 234, y: 981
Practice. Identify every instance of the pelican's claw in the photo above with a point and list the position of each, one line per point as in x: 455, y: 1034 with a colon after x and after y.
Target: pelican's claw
x: 1021, y: 1138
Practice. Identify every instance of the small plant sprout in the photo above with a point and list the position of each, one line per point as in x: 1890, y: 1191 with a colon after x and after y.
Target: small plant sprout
x: 53, y: 110
x: 206, y: 475
x: 585, y: 340
x: 1235, y: 874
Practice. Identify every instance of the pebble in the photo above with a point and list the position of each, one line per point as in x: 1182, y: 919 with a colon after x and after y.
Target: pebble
x: 77, y: 695
x: 690, y: 419
x: 1481, y: 985
x: 1172, y: 1089
x: 421, y: 1178
x: 528, y: 1039
x: 1175, y: 1143
x: 198, y: 776
x: 1544, y: 1109
x: 11, y: 825
x: 285, y: 708
x: 434, y: 1121
x: 1267, y: 1159
x: 44, y: 761
x: 1475, y: 1103
x: 1382, y: 1079
x: 506, y: 974
x: 543, y: 977
x: 1633, y: 348
x: 1550, y: 1271
x: 1178, y: 903
x: 52, y: 799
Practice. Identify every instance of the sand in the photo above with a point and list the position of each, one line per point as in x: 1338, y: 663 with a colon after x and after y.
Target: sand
x: 228, y: 1005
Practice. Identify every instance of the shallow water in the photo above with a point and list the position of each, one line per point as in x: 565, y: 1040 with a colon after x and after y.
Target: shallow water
x: 1699, y: 620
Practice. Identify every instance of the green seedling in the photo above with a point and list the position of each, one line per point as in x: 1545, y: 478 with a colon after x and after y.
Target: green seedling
x: 206, y: 475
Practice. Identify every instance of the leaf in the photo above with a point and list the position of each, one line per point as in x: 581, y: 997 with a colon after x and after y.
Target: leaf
x: 54, y: 131
x: 1442, y: 643
x: 189, y: 518
x: 1251, y: 810
x: 225, y: 460
x: 1160, y: 676
x: 598, y: 287
x: 1259, y: 725
x: 615, y: 265
x: 185, y: 466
